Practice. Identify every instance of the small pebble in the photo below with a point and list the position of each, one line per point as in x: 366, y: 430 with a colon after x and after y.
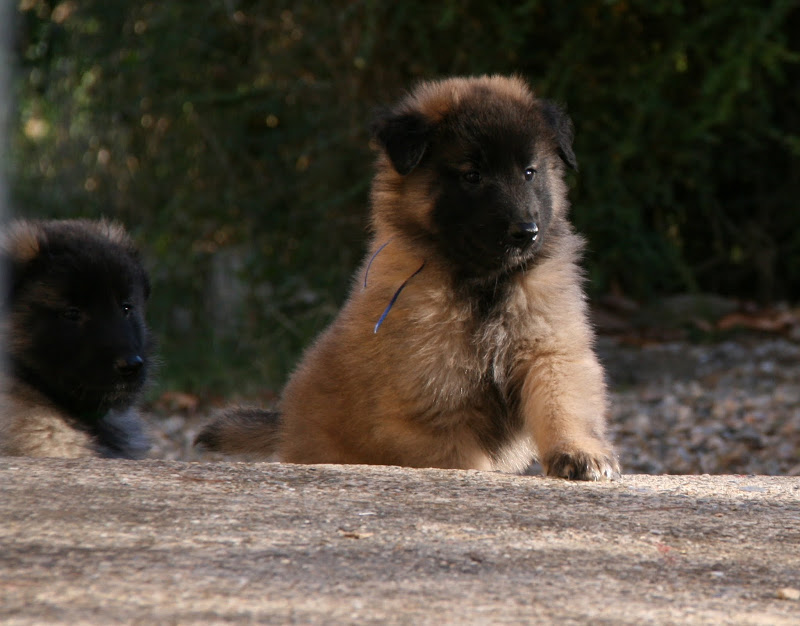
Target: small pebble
x: 788, y: 593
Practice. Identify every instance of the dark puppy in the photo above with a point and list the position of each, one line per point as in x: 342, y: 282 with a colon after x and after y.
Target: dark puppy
x: 74, y: 340
x: 464, y: 342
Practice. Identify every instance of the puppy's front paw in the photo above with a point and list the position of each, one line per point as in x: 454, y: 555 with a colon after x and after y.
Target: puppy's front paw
x: 579, y: 465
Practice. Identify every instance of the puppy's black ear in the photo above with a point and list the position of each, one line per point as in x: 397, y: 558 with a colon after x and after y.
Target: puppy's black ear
x: 404, y: 137
x: 20, y: 260
x: 16, y: 274
x: 559, y: 121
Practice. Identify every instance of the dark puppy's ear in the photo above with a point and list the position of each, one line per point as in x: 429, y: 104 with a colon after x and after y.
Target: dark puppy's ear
x: 17, y: 267
x: 559, y: 121
x: 404, y: 137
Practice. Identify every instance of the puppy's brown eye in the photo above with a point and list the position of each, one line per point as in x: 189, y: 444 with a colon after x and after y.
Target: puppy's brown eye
x: 530, y: 174
x: 473, y: 177
x: 127, y: 307
x: 72, y: 313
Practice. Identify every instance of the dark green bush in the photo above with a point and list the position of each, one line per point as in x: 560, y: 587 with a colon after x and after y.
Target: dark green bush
x: 231, y: 138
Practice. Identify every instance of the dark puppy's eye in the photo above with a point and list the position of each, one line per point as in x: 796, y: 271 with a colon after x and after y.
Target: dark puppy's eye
x: 530, y: 174
x: 127, y: 307
x: 473, y: 177
x: 72, y: 313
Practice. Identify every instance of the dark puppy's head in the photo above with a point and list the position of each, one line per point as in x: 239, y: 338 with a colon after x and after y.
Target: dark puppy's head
x: 474, y: 167
x: 74, y: 309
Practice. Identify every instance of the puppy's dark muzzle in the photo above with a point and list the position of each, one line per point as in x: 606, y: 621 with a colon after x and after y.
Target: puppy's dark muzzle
x: 522, y: 234
x: 129, y: 366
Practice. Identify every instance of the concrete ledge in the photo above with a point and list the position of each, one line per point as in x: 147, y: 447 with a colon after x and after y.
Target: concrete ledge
x: 96, y: 541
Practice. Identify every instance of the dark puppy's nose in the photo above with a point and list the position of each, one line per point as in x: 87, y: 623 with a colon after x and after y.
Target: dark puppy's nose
x: 129, y: 365
x: 522, y: 233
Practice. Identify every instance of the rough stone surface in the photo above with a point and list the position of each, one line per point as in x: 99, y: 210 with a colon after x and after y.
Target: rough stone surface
x: 104, y: 542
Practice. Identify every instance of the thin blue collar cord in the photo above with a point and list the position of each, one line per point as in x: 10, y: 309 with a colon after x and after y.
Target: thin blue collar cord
x: 377, y: 252
x: 394, y: 298
x: 396, y: 293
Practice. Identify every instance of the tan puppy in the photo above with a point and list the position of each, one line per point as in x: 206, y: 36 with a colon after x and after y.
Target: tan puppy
x: 464, y: 342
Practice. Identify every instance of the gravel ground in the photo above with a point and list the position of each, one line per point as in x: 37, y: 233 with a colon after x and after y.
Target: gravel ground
x: 677, y: 408
x: 726, y: 408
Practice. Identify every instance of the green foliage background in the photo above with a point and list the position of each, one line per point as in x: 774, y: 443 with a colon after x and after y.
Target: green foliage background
x: 230, y: 137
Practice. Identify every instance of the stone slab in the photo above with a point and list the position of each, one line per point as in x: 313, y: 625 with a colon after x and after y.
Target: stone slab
x: 146, y: 542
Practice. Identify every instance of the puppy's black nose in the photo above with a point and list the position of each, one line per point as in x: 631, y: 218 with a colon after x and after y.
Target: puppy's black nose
x: 129, y: 365
x: 522, y: 233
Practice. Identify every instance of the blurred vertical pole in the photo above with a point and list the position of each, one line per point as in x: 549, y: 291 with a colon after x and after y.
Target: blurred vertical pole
x: 5, y: 100
x: 5, y: 108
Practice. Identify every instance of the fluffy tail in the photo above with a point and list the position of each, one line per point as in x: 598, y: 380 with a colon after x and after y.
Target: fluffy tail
x: 242, y: 430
